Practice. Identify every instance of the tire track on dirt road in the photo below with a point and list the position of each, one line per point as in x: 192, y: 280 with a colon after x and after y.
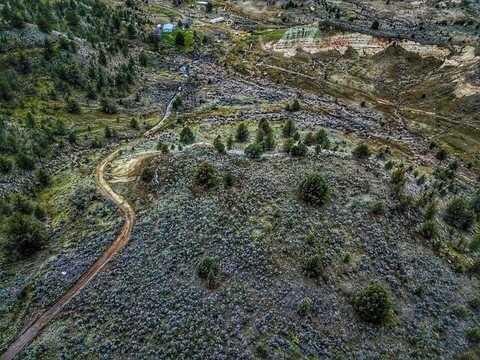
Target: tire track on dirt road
x: 34, y: 329
x: 31, y: 331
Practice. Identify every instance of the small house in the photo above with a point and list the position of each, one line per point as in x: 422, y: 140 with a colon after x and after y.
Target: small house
x: 163, y: 28
x: 217, y: 20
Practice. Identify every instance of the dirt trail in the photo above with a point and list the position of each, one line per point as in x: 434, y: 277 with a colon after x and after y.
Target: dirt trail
x: 167, y: 114
x: 33, y: 329
x: 129, y: 215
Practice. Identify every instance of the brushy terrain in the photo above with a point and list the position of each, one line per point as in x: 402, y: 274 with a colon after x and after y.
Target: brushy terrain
x: 312, y: 193
x: 264, y: 302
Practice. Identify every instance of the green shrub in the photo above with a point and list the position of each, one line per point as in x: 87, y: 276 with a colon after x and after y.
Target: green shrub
x: 254, y: 151
x: 242, y: 133
x: 134, y: 123
x: 475, y: 203
x: 229, y: 142
x: 474, y: 303
x: 25, y: 235
x: 289, y: 129
x: 265, y: 135
x: 162, y: 147
x: 475, y: 243
x: 108, y: 132
x: 377, y: 208
x: 373, y: 304
x: 459, y: 214
x: 268, y: 142
x: 21, y: 204
x: 187, y: 136
x: 314, y: 189
x: 6, y: 165
x: 473, y: 335
x: 298, y: 150
x: 218, y: 144
x: 321, y: 139
x: 362, y: 151
x: 441, y: 154
x: 398, y: 178
x: 264, y: 126
x: 310, y: 139
x: 205, y: 176
x: 293, y: 106
x: 108, y: 106
x: 73, y: 107
x: 25, y: 161
x: 43, y: 178
x: 429, y: 230
x: 148, y: 174
x: 460, y: 311
x: 180, y: 39
x: 287, y: 145
x: 228, y: 180
x: 207, y: 265
x: 305, y: 306
x: 314, y: 266
x: 208, y: 270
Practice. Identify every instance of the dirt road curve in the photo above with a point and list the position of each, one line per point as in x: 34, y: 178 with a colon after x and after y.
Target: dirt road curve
x: 129, y: 215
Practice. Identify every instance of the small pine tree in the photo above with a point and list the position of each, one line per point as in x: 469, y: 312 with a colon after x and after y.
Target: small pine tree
x: 218, y: 144
x: 5, y: 165
x: 269, y: 142
x: 362, y: 151
x: 298, y: 150
x: 289, y: 129
x: 108, y: 132
x: 73, y: 107
x: 205, y: 176
x: 321, y: 138
x: 228, y: 180
x: 314, y: 189
x: 180, y: 39
x: 187, y: 136
x: 254, y: 151
x: 310, y: 139
x: 459, y: 214
x: 242, y: 133
x: 162, y: 147
x: 230, y: 142
x: 42, y: 178
x: 134, y: 123
x: 373, y: 304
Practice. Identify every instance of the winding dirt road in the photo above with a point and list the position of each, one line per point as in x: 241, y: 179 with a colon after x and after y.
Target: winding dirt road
x: 34, y: 329
x: 129, y: 215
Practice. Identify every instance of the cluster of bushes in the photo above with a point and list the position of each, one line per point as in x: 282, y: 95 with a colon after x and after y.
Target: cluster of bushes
x: 23, y: 146
x: 22, y: 224
x: 90, y: 19
x: 293, y: 144
x: 206, y: 177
